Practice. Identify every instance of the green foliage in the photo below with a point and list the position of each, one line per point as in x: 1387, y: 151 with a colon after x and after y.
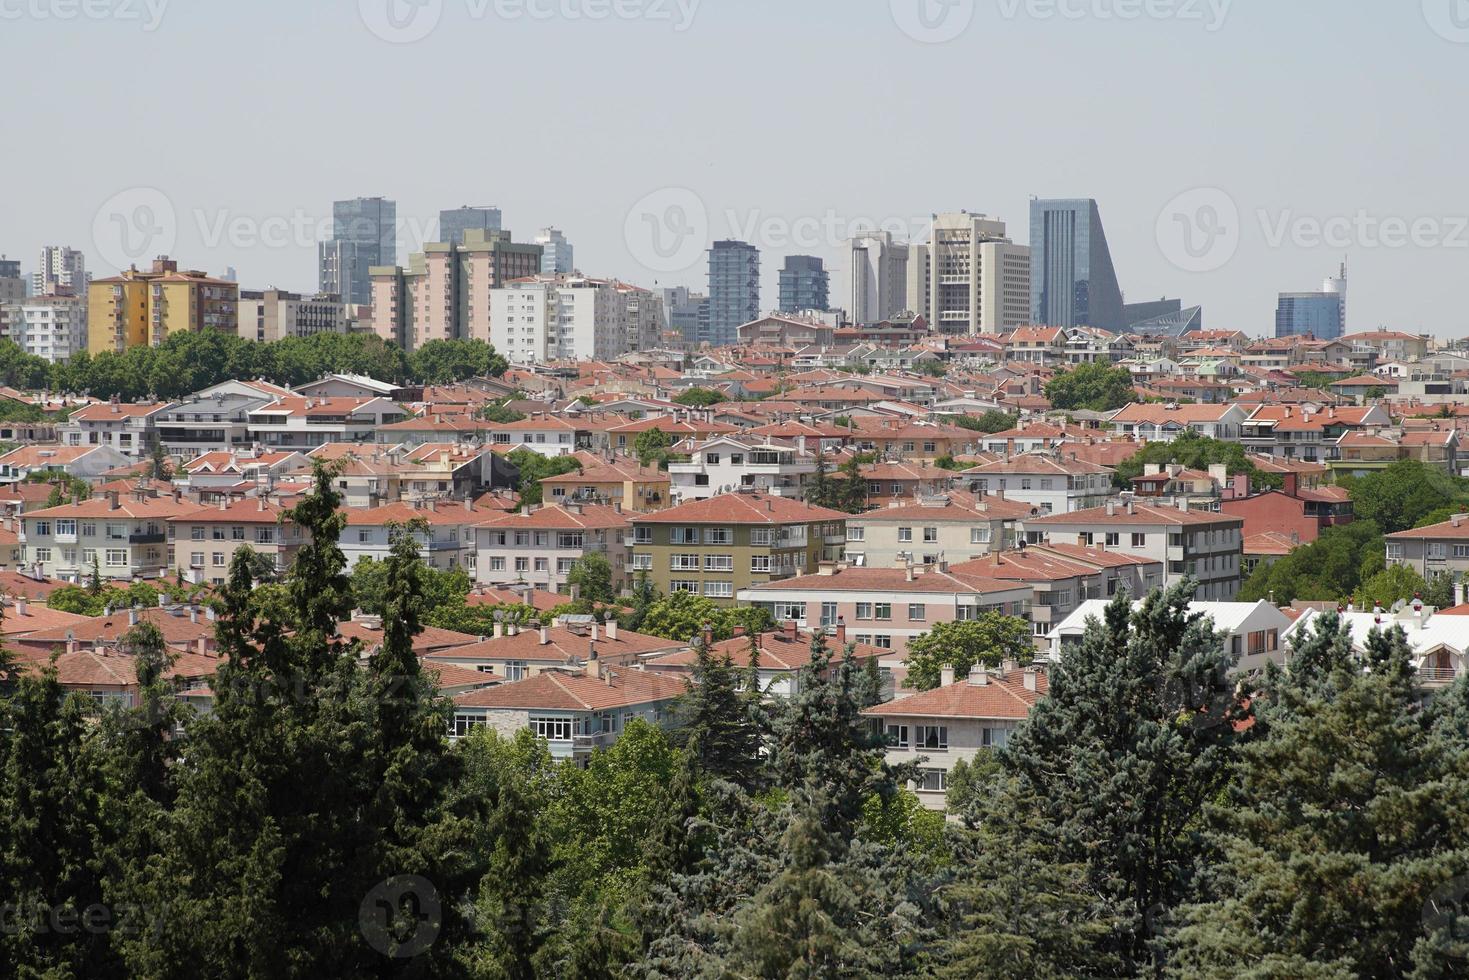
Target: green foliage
x: 717, y: 723
x: 499, y: 411
x: 652, y: 446
x: 1388, y: 586
x: 933, y: 369
x: 445, y: 361
x: 1401, y: 496
x: 697, y: 397
x: 1196, y: 452
x: 535, y: 467
x: 1095, y: 387
x: 989, y: 423
x: 1329, y: 568
x: 85, y: 601
x: 592, y: 576
x: 990, y: 640
x: 846, y: 491
x: 682, y: 615
x: 441, y: 589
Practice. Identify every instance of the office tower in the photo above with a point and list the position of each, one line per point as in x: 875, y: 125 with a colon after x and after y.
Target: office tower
x: 879, y: 278
x: 455, y: 222
x: 12, y: 286
x: 1072, y: 282
x: 555, y: 253
x: 1322, y: 314
x: 804, y: 284
x: 444, y: 293
x: 684, y: 311
x: 364, y: 234
x: 61, y: 270
x: 552, y: 317
x: 969, y: 277
x: 274, y: 314
x: 734, y: 291
x: 140, y: 308
x: 1162, y: 318
x: 9, y: 268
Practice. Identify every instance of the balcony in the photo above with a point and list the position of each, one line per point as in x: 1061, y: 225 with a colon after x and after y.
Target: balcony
x: 1436, y: 676
x: 147, y: 537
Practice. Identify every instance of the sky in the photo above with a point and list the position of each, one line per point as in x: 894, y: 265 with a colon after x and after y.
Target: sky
x: 1236, y: 148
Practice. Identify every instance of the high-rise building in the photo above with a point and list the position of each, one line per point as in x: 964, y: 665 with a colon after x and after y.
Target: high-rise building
x: 274, y: 314
x: 60, y: 269
x: 12, y: 286
x: 684, y: 311
x: 550, y: 318
x: 969, y: 277
x: 1322, y: 314
x: 455, y: 222
x: 804, y: 284
x: 9, y: 268
x: 444, y: 293
x: 556, y: 253
x: 364, y: 234
x: 734, y: 291
x: 1072, y: 281
x: 139, y: 308
x: 50, y: 326
x: 879, y: 278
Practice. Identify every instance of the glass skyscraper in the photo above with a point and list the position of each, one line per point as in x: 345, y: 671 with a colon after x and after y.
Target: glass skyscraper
x: 1317, y: 314
x: 734, y: 290
x: 804, y: 284
x: 1072, y: 281
x: 364, y: 234
x: 454, y: 223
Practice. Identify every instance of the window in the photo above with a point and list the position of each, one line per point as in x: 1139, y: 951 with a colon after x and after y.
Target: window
x: 89, y: 529
x: 917, y: 612
x: 1113, y: 539
x: 683, y: 535
x: 929, y: 447
x: 43, y: 554
x: 905, y: 534
x: 684, y: 563
x: 522, y: 564
x: 237, y: 534
x: 718, y: 535
x: 719, y: 590
x: 828, y: 614
x: 712, y: 459
x: 882, y: 641
x: 568, y: 539
x: 196, y: 559
x: 933, y: 737
x: 117, y: 557
x: 563, y: 565
x: 930, y: 535
x: 932, y: 780
x: 719, y: 563
x: 897, y: 736
x: 43, y: 529
x: 66, y: 527
x: 760, y: 563
x: 882, y: 610
x: 856, y: 533
x: 979, y: 535
x: 217, y: 533
x: 640, y: 563
x: 196, y: 534
x: 1139, y: 540
x: 864, y: 610
x: 683, y: 585
x: 364, y: 535
x: 515, y: 670
x: 994, y: 738
x: 463, y: 724
x: 552, y: 729
x: 789, y: 610
x: 497, y: 564
x: 1394, y: 552
x: 762, y: 537
x: 1460, y: 550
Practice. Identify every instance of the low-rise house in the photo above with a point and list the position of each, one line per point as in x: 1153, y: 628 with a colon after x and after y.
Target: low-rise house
x: 229, y: 468
x: 1051, y: 481
x: 86, y: 462
x: 514, y: 653
x: 540, y: 545
x: 216, y: 419
x: 1164, y: 422
x: 1253, y: 631
x: 614, y: 482
x: 203, y: 540
x: 122, y: 537
x: 124, y: 426
x: 958, y: 720
x: 1439, y: 643
x: 904, y: 483
x: 735, y: 462
x: 575, y: 713
x: 305, y: 423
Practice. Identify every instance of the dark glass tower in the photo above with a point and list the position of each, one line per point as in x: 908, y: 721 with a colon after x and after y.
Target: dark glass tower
x: 1072, y: 282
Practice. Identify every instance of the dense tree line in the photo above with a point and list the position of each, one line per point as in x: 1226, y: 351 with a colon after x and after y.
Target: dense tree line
x: 1157, y: 815
x: 187, y: 362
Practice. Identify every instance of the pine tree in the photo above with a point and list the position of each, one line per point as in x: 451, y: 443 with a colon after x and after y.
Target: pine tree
x: 1346, y: 822
x: 511, y: 913
x: 714, y: 720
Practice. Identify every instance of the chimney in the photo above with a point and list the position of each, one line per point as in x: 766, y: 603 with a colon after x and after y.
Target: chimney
x: 20, y: 606
x: 594, y: 665
x: 1030, y: 676
x: 611, y: 627
x: 946, y: 675
x: 202, y: 645
x: 791, y: 630
x: 112, y: 502
x: 499, y: 630
x: 1009, y: 666
x: 132, y: 615
x: 545, y: 635
x: 193, y: 614
x: 708, y: 634
x: 1292, y: 484
x: 979, y: 676
x: 596, y: 631
x: 841, y: 632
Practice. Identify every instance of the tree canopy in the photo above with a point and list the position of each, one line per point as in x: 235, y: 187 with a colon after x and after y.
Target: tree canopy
x: 1095, y: 387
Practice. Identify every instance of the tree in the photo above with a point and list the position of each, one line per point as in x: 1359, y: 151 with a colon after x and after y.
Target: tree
x: 1195, y: 452
x: 1396, y: 498
x: 1330, y: 568
x: 652, y: 446
x: 990, y: 422
x: 681, y: 615
x: 715, y: 720
x: 500, y: 411
x: 592, y: 576
x: 697, y: 397
x: 1343, y: 823
x: 1390, y: 585
x: 1133, y: 739
x: 991, y: 639
x: 535, y: 467
x: 160, y: 467
x: 1095, y: 387
x: 444, y: 361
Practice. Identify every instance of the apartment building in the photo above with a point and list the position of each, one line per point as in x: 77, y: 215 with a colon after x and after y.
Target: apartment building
x: 903, y: 483
x: 540, y: 545
x: 574, y: 318
x: 1050, y: 481
x: 445, y: 541
x: 720, y: 546
x: 1434, y: 549
x: 610, y: 483
x: 122, y: 536
x: 216, y: 419
x: 1300, y: 432
x: 886, y: 607
x: 202, y: 541
x: 299, y: 423
x: 953, y: 527
x: 961, y: 719
x: 224, y: 469
x: 908, y: 440
x: 1205, y: 545
x: 51, y: 327
x: 85, y: 462
x: 969, y: 278
x: 274, y: 314
x: 124, y: 426
x: 1154, y: 422
x: 516, y: 653
x: 737, y: 462
x: 1255, y: 632
x: 139, y: 308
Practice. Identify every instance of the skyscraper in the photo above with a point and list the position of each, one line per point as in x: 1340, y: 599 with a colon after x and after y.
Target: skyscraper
x: 364, y: 234
x: 556, y: 253
x: 969, y: 277
x: 455, y: 222
x: 804, y: 284
x: 879, y: 278
x: 60, y: 268
x: 1323, y: 315
x: 1072, y: 282
x: 734, y: 290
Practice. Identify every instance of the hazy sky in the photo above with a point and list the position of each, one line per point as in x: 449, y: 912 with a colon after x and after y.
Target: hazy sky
x: 1280, y: 136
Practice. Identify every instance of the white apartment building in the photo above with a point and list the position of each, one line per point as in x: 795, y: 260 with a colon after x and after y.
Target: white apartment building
x: 60, y: 268
x: 127, y: 427
x: 556, y: 252
x: 446, y: 543
x: 51, y: 327
x: 729, y: 463
x: 1253, y: 631
x: 548, y: 318
x: 969, y: 278
x: 1047, y: 480
x: 879, y: 278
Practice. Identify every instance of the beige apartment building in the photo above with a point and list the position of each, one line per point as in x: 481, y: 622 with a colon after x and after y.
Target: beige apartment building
x: 969, y: 277
x: 202, y: 542
x: 541, y: 545
x: 955, y: 527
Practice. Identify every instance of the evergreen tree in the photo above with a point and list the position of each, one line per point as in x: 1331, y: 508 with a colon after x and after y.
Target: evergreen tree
x: 511, y: 911
x: 714, y: 720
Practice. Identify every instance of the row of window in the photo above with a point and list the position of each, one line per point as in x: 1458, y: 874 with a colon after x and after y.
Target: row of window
x: 498, y: 563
